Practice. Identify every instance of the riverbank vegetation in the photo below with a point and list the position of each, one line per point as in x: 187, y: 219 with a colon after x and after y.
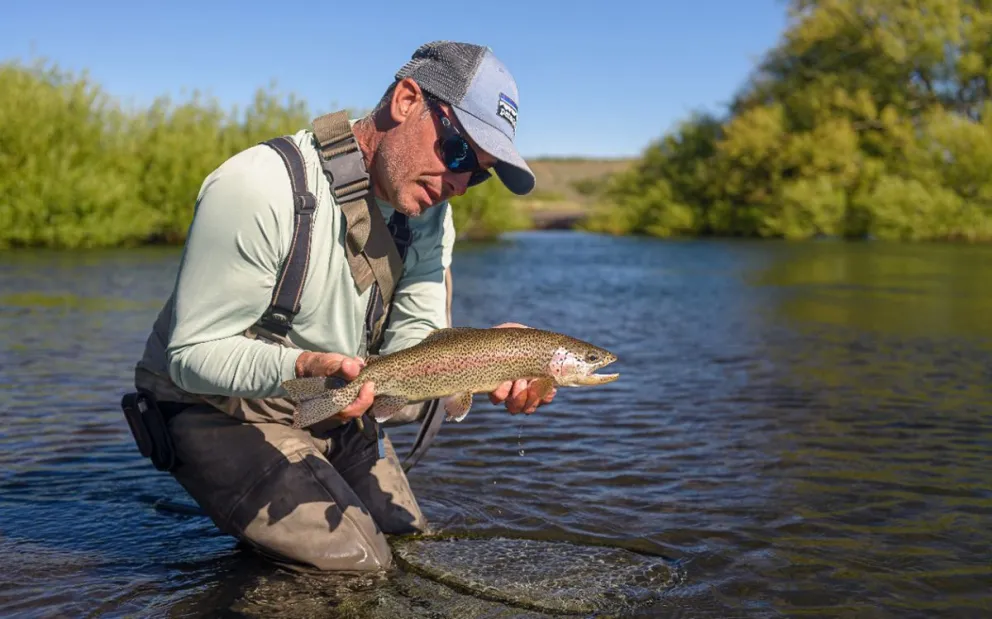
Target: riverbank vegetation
x: 869, y: 119
x: 80, y: 170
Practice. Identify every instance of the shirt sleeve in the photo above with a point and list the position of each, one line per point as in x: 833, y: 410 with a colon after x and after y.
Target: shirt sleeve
x: 420, y: 302
x: 240, y: 232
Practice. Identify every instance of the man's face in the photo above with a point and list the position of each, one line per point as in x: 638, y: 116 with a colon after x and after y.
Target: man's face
x: 413, y: 173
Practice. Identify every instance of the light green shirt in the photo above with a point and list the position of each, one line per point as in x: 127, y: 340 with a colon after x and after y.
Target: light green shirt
x: 240, y: 234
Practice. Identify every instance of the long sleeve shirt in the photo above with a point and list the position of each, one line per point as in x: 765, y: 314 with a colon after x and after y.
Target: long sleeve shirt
x: 238, y: 239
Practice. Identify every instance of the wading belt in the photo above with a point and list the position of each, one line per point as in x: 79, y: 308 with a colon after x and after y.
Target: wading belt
x: 375, y: 250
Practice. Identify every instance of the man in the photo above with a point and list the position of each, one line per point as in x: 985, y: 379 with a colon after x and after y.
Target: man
x: 323, y: 496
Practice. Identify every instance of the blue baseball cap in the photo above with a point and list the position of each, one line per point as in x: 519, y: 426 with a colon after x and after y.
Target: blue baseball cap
x: 483, y: 96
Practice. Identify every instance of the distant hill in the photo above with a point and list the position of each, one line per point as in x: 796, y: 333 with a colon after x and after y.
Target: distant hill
x: 557, y: 179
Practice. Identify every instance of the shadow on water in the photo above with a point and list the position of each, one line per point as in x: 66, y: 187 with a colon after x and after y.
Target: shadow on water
x: 803, y: 428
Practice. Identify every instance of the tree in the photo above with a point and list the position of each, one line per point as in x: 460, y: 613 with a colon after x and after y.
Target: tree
x: 869, y: 118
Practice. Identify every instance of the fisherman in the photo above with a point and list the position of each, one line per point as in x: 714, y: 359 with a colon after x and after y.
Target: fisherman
x: 305, y: 255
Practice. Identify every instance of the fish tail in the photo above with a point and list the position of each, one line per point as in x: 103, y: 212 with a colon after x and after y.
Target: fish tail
x: 305, y: 388
x: 318, y: 398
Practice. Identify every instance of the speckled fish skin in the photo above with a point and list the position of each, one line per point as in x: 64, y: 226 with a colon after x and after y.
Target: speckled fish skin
x: 453, y: 364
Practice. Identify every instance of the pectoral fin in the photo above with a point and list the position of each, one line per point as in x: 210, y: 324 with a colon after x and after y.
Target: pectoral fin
x: 385, y: 406
x: 457, y: 405
x: 543, y: 387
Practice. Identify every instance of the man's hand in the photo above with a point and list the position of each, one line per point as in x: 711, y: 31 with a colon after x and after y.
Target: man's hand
x: 334, y: 364
x: 520, y: 396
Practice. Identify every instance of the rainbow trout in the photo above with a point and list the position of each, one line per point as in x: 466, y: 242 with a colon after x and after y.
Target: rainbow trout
x: 453, y: 364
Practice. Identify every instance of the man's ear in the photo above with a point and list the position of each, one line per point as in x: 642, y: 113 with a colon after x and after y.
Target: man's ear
x: 405, y: 100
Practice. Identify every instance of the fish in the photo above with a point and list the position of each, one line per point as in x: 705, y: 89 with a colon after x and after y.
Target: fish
x: 453, y: 364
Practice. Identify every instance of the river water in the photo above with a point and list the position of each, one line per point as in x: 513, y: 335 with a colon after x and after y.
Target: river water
x: 799, y: 429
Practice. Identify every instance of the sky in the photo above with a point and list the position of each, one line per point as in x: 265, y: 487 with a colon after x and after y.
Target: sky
x: 595, y: 79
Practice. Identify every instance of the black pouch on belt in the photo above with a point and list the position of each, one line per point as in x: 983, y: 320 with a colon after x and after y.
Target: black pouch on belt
x: 147, y: 424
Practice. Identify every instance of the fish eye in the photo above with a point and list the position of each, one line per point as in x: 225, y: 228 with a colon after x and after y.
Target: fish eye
x: 592, y: 357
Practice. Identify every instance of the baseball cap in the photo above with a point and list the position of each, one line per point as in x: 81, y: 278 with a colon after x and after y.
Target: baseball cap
x: 483, y: 96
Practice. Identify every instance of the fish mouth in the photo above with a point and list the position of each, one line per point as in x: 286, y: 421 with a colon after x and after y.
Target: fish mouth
x: 592, y: 378
x: 596, y: 379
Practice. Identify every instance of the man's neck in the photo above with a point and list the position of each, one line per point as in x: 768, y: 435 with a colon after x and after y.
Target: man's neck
x: 368, y: 139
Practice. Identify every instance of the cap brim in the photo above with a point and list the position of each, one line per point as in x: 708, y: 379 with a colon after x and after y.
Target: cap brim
x: 510, y: 167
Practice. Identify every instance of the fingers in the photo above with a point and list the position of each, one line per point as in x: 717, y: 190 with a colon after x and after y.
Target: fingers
x: 514, y: 393
x: 350, y: 367
x: 506, y: 325
x: 517, y: 401
x: 501, y: 392
x: 361, y: 404
x: 532, y: 401
x: 328, y: 364
x: 520, y: 396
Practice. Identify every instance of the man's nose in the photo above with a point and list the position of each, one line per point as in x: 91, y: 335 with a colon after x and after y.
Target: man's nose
x: 457, y: 182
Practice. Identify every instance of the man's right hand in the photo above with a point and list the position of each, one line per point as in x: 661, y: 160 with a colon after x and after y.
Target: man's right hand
x: 333, y: 364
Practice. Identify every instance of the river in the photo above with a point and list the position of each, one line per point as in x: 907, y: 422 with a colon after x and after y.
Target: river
x: 801, y: 429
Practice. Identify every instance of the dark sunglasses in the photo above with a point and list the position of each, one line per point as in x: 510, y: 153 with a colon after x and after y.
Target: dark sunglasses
x: 456, y: 152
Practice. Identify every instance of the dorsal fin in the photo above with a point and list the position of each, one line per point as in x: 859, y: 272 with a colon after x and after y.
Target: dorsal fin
x: 445, y: 332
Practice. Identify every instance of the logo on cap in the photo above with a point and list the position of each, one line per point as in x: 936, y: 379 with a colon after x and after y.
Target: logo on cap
x: 507, y: 109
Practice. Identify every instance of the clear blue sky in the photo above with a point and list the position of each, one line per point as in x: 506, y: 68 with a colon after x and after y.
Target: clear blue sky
x: 595, y: 79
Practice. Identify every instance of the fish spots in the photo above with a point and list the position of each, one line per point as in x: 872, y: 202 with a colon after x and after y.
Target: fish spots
x: 445, y: 363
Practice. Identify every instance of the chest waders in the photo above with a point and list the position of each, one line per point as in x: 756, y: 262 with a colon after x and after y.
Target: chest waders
x: 375, y: 250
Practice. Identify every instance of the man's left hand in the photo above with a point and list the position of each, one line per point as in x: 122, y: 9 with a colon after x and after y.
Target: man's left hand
x: 520, y: 395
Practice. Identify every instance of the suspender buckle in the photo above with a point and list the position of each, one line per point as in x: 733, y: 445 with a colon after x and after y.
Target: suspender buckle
x: 346, y: 170
x: 276, y: 322
x: 305, y: 203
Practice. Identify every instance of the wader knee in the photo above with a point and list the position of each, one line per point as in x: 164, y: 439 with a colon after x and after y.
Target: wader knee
x: 271, y: 486
x: 368, y: 462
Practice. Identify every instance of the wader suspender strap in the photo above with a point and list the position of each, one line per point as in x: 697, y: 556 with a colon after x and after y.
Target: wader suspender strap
x: 372, y: 251
x: 278, y: 318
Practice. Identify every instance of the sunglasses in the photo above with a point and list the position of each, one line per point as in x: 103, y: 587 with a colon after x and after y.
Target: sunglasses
x: 456, y: 152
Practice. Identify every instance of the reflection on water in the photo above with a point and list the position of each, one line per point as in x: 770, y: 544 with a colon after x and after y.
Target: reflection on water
x: 804, y: 428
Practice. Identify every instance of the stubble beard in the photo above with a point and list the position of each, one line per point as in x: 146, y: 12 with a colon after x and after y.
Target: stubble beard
x: 396, y: 164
